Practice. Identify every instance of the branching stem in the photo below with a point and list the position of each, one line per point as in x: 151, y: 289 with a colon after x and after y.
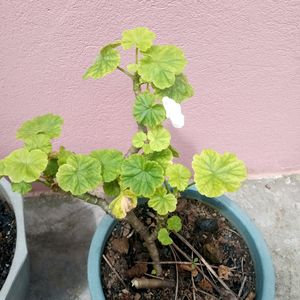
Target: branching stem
x: 125, y: 72
x: 141, y: 229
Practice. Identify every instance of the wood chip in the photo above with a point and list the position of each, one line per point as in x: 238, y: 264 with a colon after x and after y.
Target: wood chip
x: 120, y: 245
x: 224, y: 272
x: 251, y: 296
x: 188, y: 268
x: 206, y: 286
x: 137, y: 270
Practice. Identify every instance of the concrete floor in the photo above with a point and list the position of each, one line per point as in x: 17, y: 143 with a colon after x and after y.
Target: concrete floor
x: 59, y: 231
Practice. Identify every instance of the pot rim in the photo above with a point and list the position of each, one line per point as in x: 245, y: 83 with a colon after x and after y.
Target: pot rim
x: 21, y: 252
x: 263, y: 265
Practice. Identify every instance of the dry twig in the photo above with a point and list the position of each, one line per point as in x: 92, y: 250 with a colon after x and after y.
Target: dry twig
x: 177, y: 276
x: 114, y: 270
x: 169, y: 262
x: 242, y: 286
x: 207, y: 265
x: 193, y: 284
x: 198, y: 269
x: 147, y: 283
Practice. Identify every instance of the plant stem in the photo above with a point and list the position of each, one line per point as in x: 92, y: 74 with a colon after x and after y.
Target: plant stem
x: 136, y: 55
x: 141, y: 229
x: 167, y: 187
x: 192, y: 183
x: 91, y: 199
x: 125, y: 72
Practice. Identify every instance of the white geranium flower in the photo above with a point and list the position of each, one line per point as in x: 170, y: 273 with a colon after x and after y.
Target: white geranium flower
x: 173, y: 112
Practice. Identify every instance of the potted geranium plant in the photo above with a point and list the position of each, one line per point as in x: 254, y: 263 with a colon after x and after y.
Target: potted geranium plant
x: 145, y: 172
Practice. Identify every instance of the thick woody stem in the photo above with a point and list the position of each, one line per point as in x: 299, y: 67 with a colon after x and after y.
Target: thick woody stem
x: 140, y: 228
x: 88, y: 198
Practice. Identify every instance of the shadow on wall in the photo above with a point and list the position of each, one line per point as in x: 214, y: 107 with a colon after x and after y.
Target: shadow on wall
x: 59, y: 231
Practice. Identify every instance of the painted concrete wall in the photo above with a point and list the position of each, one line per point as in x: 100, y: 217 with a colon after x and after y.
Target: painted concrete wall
x: 244, y: 59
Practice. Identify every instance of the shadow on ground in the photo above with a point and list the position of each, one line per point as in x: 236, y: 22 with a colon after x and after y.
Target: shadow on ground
x: 59, y: 232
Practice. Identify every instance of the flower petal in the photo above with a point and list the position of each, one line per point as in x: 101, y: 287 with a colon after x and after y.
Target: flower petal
x: 173, y: 112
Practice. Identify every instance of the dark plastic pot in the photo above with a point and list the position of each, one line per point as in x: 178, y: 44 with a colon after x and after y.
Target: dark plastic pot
x: 264, y: 271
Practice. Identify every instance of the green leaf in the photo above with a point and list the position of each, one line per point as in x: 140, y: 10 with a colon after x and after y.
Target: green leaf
x: 40, y: 142
x: 147, y: 149
x: 2, y: 168
x: 107, y: 61
x: 159, y: 138
x: 179, y: 176
x: 141, y: 176
x: 112, y: 188
x: 49, y: 125
x: 21, y: 187
x: 132, y: 68
x: 179, y: 91
x: 163, y: 158
x: 24, y: 165
x: 111, y: 161
x: 164, y: 237
x: 216, y: 174
x: 79, y: 175
x: 125, y: 202
x: 63, y: 155
x: 146, y: 112
x: 174, y: 223
x: 140, y: 37
x: 162, y: 202
x: 174, y: 151
x: 160, y: 64
x: 51, y: 168
x: 138, y: 139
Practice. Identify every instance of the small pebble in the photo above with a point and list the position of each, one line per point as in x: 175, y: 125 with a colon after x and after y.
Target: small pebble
x: 207, y: 225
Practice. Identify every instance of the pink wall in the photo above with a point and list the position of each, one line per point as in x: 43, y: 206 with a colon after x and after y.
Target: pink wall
x: 243, y: 62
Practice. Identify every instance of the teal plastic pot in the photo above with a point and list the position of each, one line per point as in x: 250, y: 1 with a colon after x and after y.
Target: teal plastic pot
x: 264, y: 271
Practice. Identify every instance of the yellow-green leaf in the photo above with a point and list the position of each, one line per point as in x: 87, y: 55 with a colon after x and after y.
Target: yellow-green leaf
x: 121, y: 205
x: 164, y: 237
x: 179, y: 176
x: 49, y: 125
x: 174, y: 223
x: 216, y: 174
x: 160, y: 64
x: 111, y: 161
x: 159, y: 138
x: 107, y: 61
x: 141, y: 176
x: 80, y: 174
x: 179, y: 91
x: 139, y: 37
x: 24, y: 165
x: 112, y: 188
x: 162, y: 202
x: 2, y: 168
x: 21, y: 187
x: 138, y: 139
x: 63, y: 155
x: 132, y: 68
x: 146, y: 112
x: 147, y: 149
x: 163, y: 158
x: 52, y: 167
x: 40, y: 142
